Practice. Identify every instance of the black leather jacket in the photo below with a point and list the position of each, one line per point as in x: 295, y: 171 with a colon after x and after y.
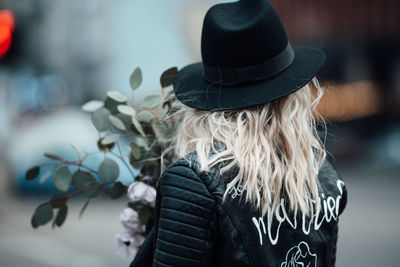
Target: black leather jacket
x: 194, y: 227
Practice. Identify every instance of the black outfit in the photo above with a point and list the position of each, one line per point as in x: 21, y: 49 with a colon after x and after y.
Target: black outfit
x: 194, y: 227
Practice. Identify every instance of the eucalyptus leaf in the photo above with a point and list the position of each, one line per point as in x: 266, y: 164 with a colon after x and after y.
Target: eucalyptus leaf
x: 141, y: 142
x: 117, y: 96
x: 80, y: 179
x: 100, y: 119
x: 137, y: 126
x: 151, y: 101
x: 167, y: 78
x: 117, y: 122
x: 126, y: 110
x: 32, y: 173
x: 45, y: 176
x: 43, y: 214
x: 117, y: 190
x: 84, y: 208
x: 137, y: 152
x: 108, y: 170
x: 94, y: 191
x: 33, y: 222
x: 58, y: 201
x: 92, y: 105
x: 112, y: 105
x: 110, y: 139
x: 61, y: 215
x: 62, y: 178
x: 135, y: 163
x: 135, y: 79
x: 145, y: 116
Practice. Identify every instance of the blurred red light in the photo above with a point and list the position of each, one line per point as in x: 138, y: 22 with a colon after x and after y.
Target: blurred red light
x: 6, y: 28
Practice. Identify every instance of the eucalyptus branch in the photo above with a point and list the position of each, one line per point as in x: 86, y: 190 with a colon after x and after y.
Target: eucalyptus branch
x: 79, y: 164
x: 146, y: 148
x: 123, y: 160
x: 67, y: 162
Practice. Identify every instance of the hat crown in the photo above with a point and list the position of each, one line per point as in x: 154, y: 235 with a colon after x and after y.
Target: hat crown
x: 241, y: 34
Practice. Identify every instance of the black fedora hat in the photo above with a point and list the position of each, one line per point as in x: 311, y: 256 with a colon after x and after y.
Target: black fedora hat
x: 247, y: 60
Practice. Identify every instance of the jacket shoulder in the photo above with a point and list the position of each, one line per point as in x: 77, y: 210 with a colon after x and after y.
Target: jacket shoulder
x: 185, y: 212
x: 186, y: 171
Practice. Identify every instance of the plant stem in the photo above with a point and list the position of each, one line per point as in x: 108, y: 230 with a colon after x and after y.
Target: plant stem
x: 123, y: 160
x: 79, y: 164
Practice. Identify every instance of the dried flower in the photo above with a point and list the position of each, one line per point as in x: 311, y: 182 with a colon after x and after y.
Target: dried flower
x: 139, y: 191
x: 130, y: 220
x: 127, y: 244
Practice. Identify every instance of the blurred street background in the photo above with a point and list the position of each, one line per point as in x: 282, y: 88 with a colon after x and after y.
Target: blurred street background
x: 57, y: 55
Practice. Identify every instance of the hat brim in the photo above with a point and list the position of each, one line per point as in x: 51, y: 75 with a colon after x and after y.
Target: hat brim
x: 194, y: 91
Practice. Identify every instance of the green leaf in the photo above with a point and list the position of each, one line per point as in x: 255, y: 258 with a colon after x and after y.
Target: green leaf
x: 117, y: 122
x: 117, y: 190
x: 43, y: 214
x: 112, y: 105
x: 84, y: 208
x: 62, y: 178
x: 137, y: 126
x: 136, y: 151
x: 58, y: 201
x: 151, y: 101
x: 61, y: 215
x: 45, y: 176
x: 32, y: 173
x: 80, y: 179
x: 92, y: 105
x: 117, y: 96
x: 145, y: 116
x: 94, y: 191
x: 101, y: 120
x: 141, y: 142
x: 167, y: 78
x: 108, y: 170
x: 126, y: 110
x: 52, y: 156
x: 33, y: 222
x: 110, y: 139
x: 135, y: 79
x: 137, y: 164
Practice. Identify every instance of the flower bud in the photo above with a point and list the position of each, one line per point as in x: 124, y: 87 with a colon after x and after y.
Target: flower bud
x: 130, y: 220
x: 139, y: 191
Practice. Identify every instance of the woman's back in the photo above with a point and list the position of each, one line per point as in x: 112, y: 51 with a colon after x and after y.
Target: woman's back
x: 195, y: 227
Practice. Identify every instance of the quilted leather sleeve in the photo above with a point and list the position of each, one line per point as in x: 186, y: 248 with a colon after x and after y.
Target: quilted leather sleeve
x: 185, y: 219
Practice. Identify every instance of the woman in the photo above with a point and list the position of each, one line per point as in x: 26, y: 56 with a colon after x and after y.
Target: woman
x: 251, y: 186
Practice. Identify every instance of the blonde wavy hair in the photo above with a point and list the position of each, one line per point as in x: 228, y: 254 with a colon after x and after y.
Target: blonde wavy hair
x: 275, y: 146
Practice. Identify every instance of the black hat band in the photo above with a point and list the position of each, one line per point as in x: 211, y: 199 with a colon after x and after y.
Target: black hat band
x: 260, y: 71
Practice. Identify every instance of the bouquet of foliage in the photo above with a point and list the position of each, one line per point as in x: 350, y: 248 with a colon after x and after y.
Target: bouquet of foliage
x: 149, y: 130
